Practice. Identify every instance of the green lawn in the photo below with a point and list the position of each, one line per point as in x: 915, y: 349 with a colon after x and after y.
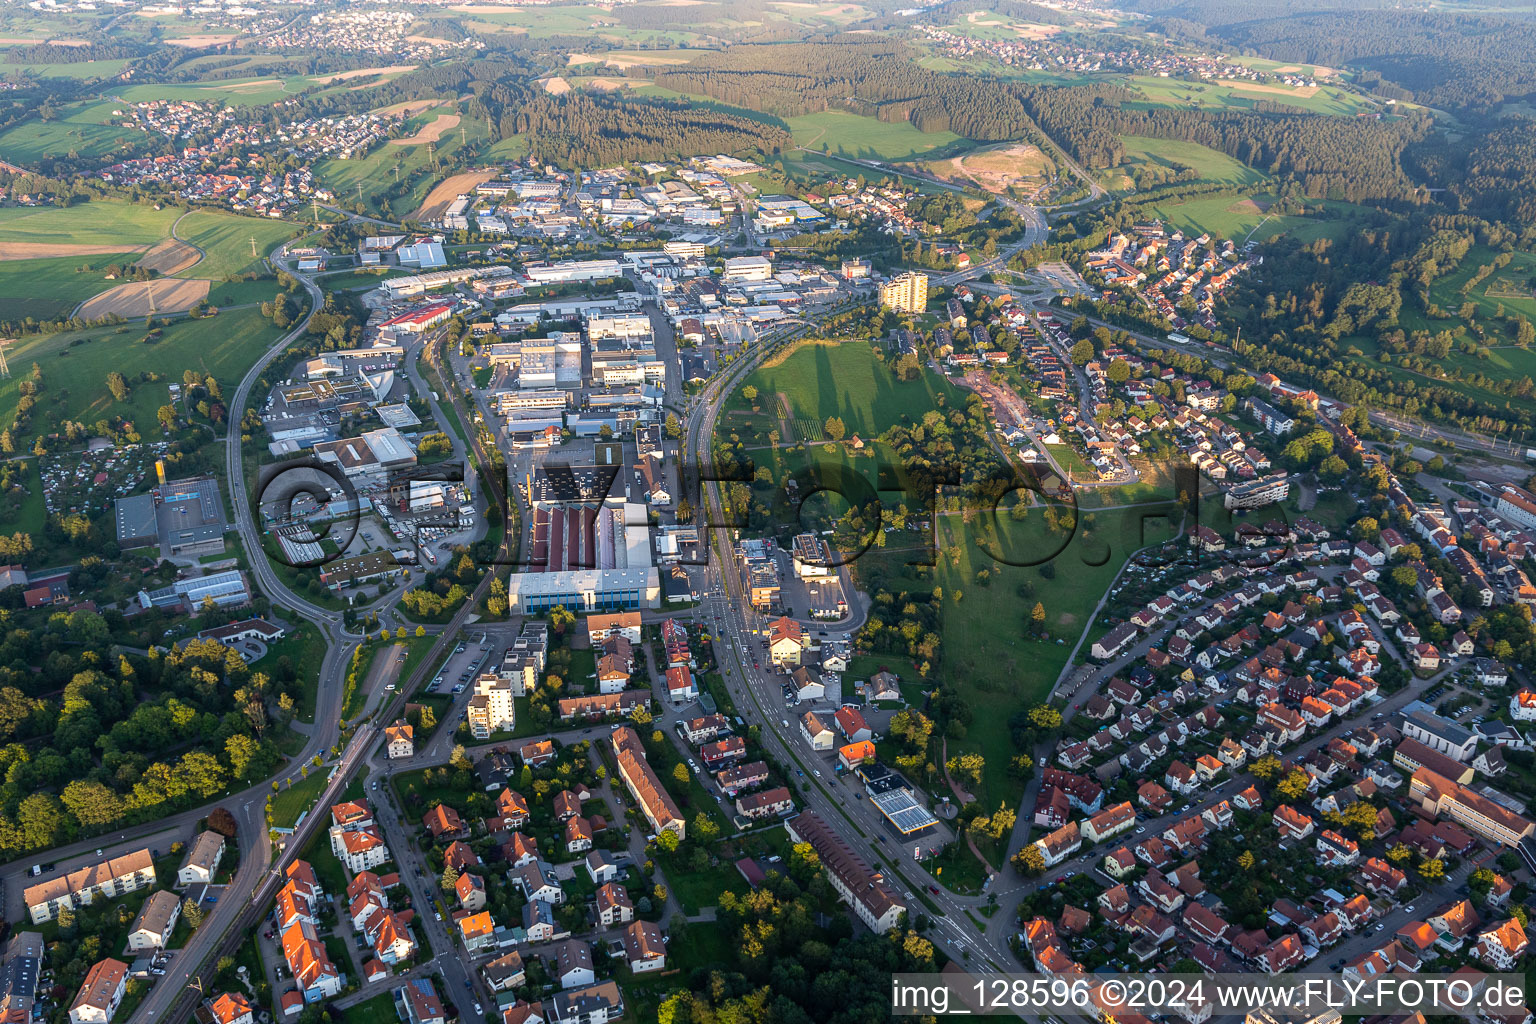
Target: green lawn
x: 378, y: 1010
x: 51, y: 288
x: 294, y: 800
x: 75, y: 365
x: 226, y: 241
x: 868, y: 138
x: 846, y: 380
x: 1213, y: 166
x: 107, y: 222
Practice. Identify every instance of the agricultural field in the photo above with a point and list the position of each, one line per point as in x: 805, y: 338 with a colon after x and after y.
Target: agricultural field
x: 991, y: 25
x: 46, y: 289
x: 1172, y: 154
x: 226, y: 241
x: 43, y: 277
x: 373, y: 177
x: 82, y: 131
x: 1240, y: 95
x: 248, y: 92
x: 1243, y: 218
x: 866, y: 138
x: 109, y: 225
x: 84, y: 70
x: 75, y: 365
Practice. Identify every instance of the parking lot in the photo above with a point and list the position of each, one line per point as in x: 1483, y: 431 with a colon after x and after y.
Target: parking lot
x: 476, y: 653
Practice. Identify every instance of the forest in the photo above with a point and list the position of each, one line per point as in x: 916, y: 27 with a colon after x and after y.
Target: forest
x: 1329, y: 156
x: 90, y: 740
x: 1462, y: 61
x: 873, y: 77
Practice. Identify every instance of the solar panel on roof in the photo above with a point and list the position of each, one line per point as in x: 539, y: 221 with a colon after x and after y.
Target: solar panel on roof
x: 902, y: 811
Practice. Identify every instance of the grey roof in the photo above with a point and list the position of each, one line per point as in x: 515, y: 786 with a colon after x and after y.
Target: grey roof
x: 1444, y: 728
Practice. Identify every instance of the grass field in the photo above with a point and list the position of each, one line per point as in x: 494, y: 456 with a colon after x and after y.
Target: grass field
x: 48, y: 288
x: 83, y: 70
x: 1239, y: 219
x: 1171, y: 92
x: 1211, y: 165
x: 294, y: 800
x: 241, y: 293
x: 247, y: 92
x: 1509, y: 287
x: 83, y: 130
x: 75, y: 365
x: 371, y: 174
x: 356, y: 279
x: 990, y: 656
x: 866, y: 138
x: 226, y: 240
x: 847, y: 380
x: 129, y: 225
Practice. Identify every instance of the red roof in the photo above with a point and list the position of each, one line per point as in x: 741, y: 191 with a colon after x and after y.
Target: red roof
x: 418, y: 316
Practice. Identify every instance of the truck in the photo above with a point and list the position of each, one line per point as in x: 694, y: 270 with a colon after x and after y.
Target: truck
x: 1530, y: 454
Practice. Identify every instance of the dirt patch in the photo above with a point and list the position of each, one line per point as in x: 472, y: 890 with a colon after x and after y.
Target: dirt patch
x: 143, y: 298
x: 624, y: 61
x: 18, y: 41
x: 996, y: 170
x: 256, y: 84
x: 1023, y: 30
x: 170, y: 257
x: 433, y: 40
x: 69, y: 42
x: 1317, y: 71
x: 610, y: 84
x: 362, y: 73
x: 489, y: 9
x: 198, y: 42
x: 449, y: 189
x: 43, y: 250
x: 1303, y: 91
x: 441, y: 125
x: 556, y: 86
x: 1255, y: 204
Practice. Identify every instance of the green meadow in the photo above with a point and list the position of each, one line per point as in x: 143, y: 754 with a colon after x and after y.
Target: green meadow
x: 48, y: 288
x: 75, y: 365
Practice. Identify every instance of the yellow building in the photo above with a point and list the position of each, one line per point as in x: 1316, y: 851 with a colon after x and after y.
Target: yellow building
x: 907, y: 292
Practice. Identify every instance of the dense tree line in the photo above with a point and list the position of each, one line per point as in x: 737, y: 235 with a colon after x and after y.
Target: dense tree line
x: 1471, y: 61
x: 875, y: 78
x: 1488, y: 174
x: 584, y: 129
x: 1320, y: 307
x: 1329, y: 156
x: 53, y: 53
x: 1018, y: 10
